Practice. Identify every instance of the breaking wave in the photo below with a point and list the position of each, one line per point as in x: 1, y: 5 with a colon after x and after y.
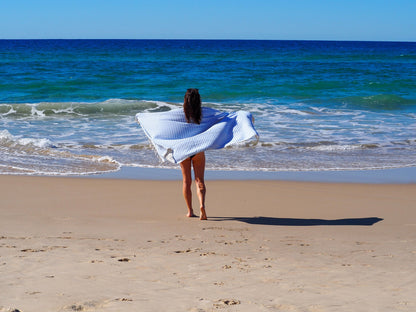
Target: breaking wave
x: 379, y: 102
x: 19, y: 155
x: 115, y: 107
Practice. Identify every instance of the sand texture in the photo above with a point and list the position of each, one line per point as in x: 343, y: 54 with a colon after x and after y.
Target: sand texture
x: 69, y: 244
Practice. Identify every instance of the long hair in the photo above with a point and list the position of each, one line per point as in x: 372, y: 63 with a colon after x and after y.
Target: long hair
x: 192, y: 106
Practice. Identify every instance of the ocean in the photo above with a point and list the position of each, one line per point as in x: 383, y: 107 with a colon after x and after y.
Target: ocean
x: 67, y: 107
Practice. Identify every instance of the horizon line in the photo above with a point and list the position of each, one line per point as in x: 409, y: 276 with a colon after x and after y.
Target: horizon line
x: 215, y: 39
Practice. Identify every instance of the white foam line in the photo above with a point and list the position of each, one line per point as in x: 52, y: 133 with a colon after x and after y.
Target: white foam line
x: 53, y: 173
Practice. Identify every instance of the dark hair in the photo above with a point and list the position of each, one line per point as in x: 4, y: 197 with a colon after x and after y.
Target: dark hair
x: 192, y: 106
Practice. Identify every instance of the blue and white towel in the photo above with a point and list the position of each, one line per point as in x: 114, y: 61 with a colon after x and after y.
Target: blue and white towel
x: 175, y: 140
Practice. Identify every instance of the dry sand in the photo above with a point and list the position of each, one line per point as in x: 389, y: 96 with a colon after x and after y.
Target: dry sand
x: 69, y: 244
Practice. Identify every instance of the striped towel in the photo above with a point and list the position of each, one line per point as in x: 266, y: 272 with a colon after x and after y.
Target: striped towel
x: 175, y: 140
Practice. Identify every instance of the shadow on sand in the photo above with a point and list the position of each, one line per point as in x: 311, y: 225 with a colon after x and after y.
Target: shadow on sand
x: 299, y: 222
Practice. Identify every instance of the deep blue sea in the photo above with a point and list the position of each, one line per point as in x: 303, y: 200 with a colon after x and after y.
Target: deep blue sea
x: 68, y: 106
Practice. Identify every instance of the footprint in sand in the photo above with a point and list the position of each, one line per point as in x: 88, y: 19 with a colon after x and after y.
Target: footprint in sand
x: 94, y: 305
x: 179, y: 238
x: 97, y: 261
x: 182, y: 251
x: 187, y: 250
x: 85, y: 306
x: 123, y: 299
x: 43, y: 249
x: 226, y: 302
x: 32, y: 250
x: 207, y: 253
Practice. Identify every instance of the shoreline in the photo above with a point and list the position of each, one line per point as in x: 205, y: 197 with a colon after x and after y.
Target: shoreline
x: 405, y: 175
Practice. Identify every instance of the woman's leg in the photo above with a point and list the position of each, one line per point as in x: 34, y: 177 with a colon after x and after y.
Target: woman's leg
x: 198, y: 162
x: 187, y: 182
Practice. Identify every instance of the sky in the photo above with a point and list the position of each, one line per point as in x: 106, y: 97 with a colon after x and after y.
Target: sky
x: 382, y: 20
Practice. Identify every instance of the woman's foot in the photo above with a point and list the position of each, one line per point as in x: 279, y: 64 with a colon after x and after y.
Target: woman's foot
x: 203, y: 215
x: 191, y: 214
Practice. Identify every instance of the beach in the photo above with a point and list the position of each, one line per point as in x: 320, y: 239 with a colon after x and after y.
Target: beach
x: 317, y: 215
x: 84, y: 244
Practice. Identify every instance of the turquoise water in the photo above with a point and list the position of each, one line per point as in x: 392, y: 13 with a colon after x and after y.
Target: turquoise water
x: 67, y: 106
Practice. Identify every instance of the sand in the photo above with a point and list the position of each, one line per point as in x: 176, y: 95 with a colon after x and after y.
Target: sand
x: 74, y: 244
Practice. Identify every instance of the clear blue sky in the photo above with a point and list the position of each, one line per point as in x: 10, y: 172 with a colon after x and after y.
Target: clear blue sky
x: 209, y: 19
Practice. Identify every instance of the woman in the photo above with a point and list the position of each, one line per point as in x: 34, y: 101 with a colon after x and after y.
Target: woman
x: 193, y: 114
x: 181, y: 136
